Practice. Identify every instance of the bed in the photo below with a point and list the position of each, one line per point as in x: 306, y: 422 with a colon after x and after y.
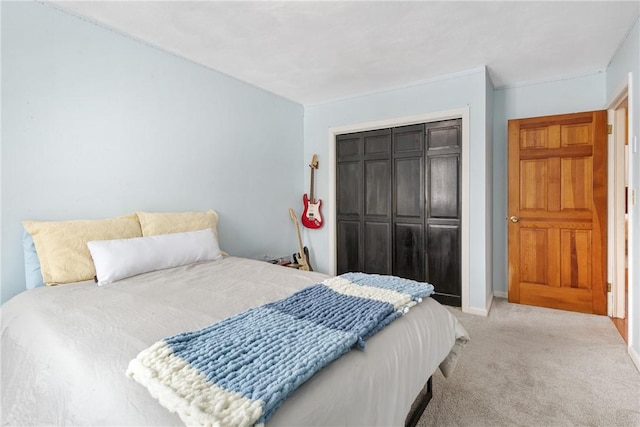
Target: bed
x: 65, y: 349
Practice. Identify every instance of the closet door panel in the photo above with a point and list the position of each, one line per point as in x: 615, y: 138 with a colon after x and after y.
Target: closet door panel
x: 407, y: 189
x: 377, y: 142
x: 443, y: 210
x: 348, y: 145
x: 443, y: 259
x: 443, y: 186
x: 349, y: 243
x: 377, y: 250
x: 408, y: 251
x: 408, y: 139
x: 377, y: 188
x: 349, y: 195
x: 444, y: 135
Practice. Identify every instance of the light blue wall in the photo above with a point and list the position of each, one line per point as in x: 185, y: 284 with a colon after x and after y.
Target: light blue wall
x: 96, y: 125
x: 450, y: 92
x: 625, y: 61
x: 567, y: 95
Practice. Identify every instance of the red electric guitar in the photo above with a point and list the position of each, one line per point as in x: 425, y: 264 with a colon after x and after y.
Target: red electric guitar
x: 311, y: 217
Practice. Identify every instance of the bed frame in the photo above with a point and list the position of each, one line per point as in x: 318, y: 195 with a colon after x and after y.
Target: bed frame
x: 420, y: 404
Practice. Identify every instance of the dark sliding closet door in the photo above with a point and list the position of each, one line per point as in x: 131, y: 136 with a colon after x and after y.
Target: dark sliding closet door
x: 444, y: 210
x: 398, y: 204
x: 364, y: 202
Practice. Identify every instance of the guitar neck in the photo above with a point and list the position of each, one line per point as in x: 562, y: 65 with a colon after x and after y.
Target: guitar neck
x: 299, y: 240
x: 302, y: 260
x: 311, y: 190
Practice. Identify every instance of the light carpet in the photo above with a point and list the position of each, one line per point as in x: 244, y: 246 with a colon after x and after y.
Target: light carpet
x: 531, y: 366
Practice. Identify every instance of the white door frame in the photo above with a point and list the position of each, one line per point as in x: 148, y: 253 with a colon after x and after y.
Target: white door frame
x: 617, y: 164
x: 460, y: 113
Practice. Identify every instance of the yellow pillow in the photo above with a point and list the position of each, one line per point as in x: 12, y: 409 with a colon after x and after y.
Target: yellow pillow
x: 154, y: 223
x: 62, y: 245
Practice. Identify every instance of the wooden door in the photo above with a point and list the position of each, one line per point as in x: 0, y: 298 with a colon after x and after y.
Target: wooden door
x: 363, y: 202
x: 557, y: 211
x: 408, y: 202
x: 443, y: 144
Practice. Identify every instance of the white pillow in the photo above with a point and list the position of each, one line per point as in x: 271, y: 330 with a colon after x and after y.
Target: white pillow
x: 122, y: 258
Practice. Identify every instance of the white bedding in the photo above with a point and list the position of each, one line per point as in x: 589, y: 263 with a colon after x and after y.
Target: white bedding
x: 65, y: 349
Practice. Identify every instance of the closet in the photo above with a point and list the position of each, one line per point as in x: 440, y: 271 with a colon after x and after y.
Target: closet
x: 398, y: 204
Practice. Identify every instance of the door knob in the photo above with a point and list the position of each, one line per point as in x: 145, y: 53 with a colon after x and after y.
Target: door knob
x: 514, y: 219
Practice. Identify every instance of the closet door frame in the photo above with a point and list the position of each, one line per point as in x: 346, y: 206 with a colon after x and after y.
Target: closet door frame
x: 330, y: 215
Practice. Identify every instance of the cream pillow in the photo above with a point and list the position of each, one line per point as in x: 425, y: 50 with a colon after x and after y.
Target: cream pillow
x: 122, y: 258
x: 62, y: 245
x: 154, y: 223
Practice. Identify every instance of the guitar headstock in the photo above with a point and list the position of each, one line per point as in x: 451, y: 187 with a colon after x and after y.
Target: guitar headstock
x: 314, y: 162
x: 294, y: 217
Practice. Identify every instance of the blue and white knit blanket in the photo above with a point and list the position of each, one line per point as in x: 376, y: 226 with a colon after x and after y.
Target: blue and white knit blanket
x: 237, y: 372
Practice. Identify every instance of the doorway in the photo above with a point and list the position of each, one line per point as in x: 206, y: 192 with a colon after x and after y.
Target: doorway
x: 619, y: 177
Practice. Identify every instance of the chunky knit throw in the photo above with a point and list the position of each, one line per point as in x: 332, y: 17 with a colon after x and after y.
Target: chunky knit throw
x: 237, y: 372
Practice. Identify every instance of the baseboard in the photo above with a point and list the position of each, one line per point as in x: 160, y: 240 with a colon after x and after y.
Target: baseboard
x: 500, y: 294
x: 634, y: 357
x: 482, y: 311
x: 478, y: 311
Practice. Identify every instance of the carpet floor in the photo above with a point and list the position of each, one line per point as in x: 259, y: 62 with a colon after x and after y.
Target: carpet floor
x: 531, y: 366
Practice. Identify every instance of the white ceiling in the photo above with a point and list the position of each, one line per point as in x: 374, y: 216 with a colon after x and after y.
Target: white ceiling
x: 316, y: 51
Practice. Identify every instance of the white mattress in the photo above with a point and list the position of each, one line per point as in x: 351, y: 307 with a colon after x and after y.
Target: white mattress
x: 65, y: 349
